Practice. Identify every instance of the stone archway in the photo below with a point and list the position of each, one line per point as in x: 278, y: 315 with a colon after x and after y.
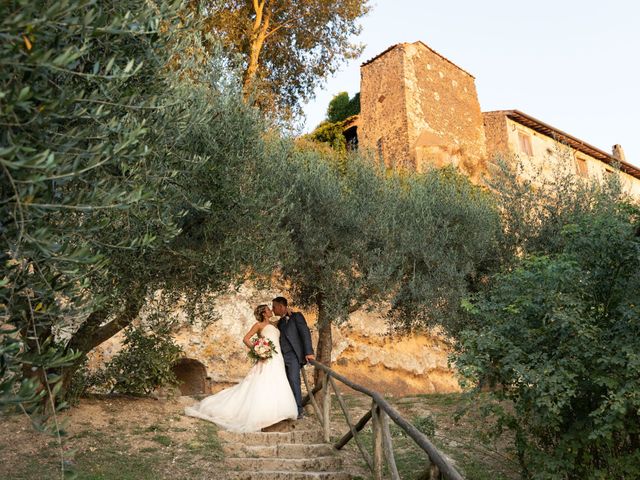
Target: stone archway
x: 192, y: 376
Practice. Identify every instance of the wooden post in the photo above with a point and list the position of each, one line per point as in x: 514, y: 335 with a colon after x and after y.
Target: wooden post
x: 352, y: 429
x: 326, y: 408
x: 378, y: 447
x: 316, y: 407
x: 388, y: 446
x: 357, y: 427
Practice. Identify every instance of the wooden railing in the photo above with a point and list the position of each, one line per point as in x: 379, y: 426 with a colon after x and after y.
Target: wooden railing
x: 380, y: 413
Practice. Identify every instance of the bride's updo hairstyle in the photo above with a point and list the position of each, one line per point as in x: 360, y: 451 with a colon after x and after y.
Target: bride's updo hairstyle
x: 259, y: 312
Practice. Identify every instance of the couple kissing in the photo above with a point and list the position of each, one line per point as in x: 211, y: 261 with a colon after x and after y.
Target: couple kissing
x: 271, y: 391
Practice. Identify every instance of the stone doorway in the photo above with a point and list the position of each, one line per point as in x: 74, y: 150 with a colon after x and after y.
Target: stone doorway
x: 192, y: 376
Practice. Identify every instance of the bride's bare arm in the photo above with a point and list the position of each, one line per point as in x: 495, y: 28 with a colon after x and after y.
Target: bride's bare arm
x: 251, y: 333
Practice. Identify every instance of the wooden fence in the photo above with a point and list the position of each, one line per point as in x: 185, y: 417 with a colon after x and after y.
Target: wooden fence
x: 380, y: 413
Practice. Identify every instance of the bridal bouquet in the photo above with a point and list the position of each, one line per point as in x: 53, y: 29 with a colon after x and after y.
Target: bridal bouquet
x: 262, y: 349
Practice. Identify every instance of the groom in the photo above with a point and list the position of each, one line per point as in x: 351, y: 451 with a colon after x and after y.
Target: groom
x: 295, y: 345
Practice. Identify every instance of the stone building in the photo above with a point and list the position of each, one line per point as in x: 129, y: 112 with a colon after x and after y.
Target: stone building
x: 540, y: 147
x: 419, y: 110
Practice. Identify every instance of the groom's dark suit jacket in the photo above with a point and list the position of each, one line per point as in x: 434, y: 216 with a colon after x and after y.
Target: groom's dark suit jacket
x: 294, y: 329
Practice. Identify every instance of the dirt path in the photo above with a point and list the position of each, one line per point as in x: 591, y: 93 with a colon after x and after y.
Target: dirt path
x: 126, y: 438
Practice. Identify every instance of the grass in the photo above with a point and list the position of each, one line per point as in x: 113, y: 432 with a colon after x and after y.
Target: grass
x: 162, y: 440
x: 109, y: 460
x: 435, y: 415
x: 126, y: 441
x: 206, y: 441
x: 146, y: 440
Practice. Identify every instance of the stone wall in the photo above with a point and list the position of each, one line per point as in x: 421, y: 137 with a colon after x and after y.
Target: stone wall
x: 495, y: 132
x: 421, y: 110
x: 362, y: 350
x: 383, y: 122
x: 445, y: 122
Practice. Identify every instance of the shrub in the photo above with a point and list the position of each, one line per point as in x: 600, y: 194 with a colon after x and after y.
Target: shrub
x: 558, y: 337
x: 144, y: 364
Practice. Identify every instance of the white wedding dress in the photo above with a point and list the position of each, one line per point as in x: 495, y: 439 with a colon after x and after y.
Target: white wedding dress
x: 262, y: 398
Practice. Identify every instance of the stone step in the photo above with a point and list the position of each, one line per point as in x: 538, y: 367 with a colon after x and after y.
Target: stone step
x: 291, y: 450
x: 280, y: 475
x: 271, y: 438
x: 316, y: 464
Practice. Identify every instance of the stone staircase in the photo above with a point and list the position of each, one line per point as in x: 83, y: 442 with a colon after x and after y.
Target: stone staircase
x: 287, y: 451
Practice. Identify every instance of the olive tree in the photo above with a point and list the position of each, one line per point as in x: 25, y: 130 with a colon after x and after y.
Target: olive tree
x: 126, y: 167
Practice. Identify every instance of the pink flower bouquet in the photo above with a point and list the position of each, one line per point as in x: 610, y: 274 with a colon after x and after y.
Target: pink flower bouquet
x: 262, y: 349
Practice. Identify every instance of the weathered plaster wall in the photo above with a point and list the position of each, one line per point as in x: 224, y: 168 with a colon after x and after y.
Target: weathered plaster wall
x: 548, y: 154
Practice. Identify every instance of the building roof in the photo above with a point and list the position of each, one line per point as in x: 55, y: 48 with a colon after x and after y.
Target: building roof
x: 352, y: 121
x: 559, y: 135
x: 371, y: 60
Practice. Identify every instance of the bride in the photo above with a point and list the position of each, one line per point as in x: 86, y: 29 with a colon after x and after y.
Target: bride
x: 262, y: 398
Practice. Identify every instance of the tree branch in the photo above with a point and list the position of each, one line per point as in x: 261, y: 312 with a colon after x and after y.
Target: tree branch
x: 91, y: 333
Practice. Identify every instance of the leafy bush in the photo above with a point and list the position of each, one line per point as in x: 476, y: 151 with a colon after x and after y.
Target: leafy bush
x: 558, y: 336
x: 144, y: 364
x: 331, y: 134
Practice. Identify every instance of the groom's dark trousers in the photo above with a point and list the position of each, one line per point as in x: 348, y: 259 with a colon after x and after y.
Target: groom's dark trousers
x: 292, y: 367
x: 295, y: 344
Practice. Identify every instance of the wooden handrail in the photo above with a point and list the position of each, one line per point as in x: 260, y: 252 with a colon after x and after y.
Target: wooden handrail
x: 307, y: 398
x: 357, y: 427
x: 437, y: 459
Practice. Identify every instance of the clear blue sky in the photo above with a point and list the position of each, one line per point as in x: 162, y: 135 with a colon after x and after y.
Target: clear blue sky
x: 572, y: 64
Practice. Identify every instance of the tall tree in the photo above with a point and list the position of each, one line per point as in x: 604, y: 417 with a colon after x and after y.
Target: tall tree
x: 285, y: 48
x: 359, y: 236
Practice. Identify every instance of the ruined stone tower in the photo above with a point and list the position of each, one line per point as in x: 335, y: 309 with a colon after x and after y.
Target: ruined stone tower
x: 418, y: 110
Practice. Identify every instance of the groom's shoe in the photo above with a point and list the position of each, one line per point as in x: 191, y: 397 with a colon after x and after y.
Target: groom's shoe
x: 300, y: 416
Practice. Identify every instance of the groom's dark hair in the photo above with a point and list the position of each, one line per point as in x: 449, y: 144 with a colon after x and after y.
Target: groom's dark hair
x: 281, y: 301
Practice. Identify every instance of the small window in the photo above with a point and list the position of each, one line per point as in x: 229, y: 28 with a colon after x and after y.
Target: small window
x: 581, y: 167
x: 525, y: 144
x: 380, y: 146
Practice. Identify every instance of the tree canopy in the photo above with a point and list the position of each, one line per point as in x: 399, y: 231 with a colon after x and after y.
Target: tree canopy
x: 285, y: 49
x: 115, y: 179
x: 342, y: 107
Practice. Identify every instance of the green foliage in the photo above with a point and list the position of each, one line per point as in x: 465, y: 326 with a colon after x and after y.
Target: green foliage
x: 126, y: 167
x: 342, y: 107
x: 144, y: 364
x: 330, y: 131
x: 73, y: 151
x: 536, y: 206
x: 285, y: 49
x: 558, y: 336
x: 445, y: 241
x: 330, y: 134
x: 426, y: 425
x: 337, y: 220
